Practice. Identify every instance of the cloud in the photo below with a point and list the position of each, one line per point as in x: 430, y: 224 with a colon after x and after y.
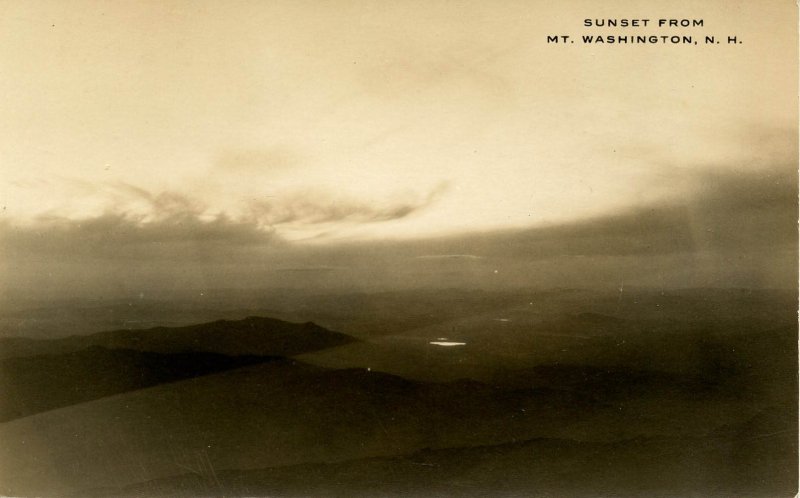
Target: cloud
x: 731, y: 211
x: 756, y: 209
x: 134, y: 223
x: 137, y: 223
x: 737, y: 229
x: 121, y: 236
x: 317, y: 208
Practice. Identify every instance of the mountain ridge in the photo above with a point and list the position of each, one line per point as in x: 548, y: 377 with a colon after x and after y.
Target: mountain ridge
x: 253, y: 335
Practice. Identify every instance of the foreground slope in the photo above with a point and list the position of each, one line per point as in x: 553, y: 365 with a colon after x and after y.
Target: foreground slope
x: 722, y: 464
x: 287, y: 413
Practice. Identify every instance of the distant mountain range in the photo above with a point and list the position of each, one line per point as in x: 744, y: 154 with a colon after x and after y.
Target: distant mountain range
x: 251, y: 336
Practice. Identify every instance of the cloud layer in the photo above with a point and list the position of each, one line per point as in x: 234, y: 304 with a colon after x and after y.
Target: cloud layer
x: 739, y: 229
x: 134, y: 217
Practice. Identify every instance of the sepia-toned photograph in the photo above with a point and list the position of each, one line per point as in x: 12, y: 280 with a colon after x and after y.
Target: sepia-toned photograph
x: 412, y: 249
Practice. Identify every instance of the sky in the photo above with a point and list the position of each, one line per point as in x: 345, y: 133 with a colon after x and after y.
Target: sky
x: 304, y: 127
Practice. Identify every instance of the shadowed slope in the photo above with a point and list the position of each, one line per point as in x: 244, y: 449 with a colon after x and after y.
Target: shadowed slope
x: 40, y: 383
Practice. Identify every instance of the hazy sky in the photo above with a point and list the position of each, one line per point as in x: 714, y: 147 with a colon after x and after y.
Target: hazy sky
x: 458, y: 111
x: 356, y: 120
